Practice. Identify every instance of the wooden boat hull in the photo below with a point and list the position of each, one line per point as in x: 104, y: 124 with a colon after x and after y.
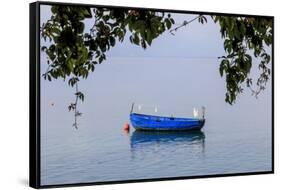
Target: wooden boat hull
x: 150, y: 122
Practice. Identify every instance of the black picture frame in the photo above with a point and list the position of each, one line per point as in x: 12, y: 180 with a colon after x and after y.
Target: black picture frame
x: 34, y: 98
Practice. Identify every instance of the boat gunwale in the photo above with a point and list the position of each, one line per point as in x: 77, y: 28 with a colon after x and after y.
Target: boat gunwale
x: 167, y: 117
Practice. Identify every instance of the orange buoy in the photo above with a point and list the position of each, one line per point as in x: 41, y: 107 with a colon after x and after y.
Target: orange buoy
x: 126, y: 127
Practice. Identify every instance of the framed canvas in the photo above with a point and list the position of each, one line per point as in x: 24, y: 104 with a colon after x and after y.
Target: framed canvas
x: 130, y: 94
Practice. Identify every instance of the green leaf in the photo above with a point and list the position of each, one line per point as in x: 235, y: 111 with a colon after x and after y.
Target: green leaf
x: 87, y: 13
x: 80, y: 27
x: 136, y: 39
x: 143, y: 44
x: 70, y: 64
x: 139, y: 25
x: 221, y: 69
x: 54, y: 9
x: 168, y: 23
x: 56, y: 30
x: 148, y: 37
x: 112, y: 41
x: 49, y: 78
x: 43, y: 48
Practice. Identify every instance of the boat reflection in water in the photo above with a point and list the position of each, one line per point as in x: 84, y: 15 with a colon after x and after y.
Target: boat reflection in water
x: 167, y: 141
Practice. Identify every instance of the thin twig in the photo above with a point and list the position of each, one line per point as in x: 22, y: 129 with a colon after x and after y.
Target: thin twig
x: 185, y: 23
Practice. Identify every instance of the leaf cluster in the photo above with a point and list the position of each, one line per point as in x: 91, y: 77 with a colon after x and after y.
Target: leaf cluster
x: 244, y: 38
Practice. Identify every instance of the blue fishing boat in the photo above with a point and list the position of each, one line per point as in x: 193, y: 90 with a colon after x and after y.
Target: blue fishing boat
x: 154, y: 122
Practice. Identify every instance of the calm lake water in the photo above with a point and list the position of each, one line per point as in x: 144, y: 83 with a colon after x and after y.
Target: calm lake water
x: 235, y: 139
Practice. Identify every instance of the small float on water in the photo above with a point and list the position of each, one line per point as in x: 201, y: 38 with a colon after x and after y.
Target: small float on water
x: 154, y: 122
